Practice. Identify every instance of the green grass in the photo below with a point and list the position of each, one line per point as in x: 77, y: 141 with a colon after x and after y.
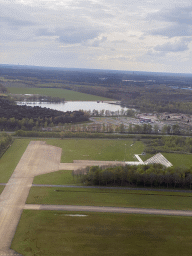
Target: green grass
x: 11, y: 157
x: 179, y: 159
x: 56, y: 178
x: 1, y: 189
x: 97, y: 149
x: 57, y: 233
x: 68, y: 95
x: 110, y: 197
x: 174, y: 158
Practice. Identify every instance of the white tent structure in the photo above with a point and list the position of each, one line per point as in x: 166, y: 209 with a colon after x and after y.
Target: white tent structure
x: 156, y: 159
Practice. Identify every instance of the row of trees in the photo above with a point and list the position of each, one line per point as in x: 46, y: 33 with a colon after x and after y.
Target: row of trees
x: 153, y: 175
x: 5, y: 142
x: 119, y: 128
x: 37, y: 123
x: 36, y: 98
x: 122, y: 112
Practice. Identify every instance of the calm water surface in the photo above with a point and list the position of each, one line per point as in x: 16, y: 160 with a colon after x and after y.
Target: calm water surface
x: 76, y: 105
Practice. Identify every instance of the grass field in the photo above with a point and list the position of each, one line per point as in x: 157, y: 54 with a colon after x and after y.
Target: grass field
x: 174, y: 158
x: 179, y: 159
x: 56, y: 178
x: 68, y: 95
x: 64, y: 233
x: 1, y: 189
x: 10, y: 159
x: 97, y: 149
x: 110, y: 197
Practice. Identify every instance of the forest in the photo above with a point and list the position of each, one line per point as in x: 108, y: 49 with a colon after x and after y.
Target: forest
x: 14, y: 117
x: 161, y: 92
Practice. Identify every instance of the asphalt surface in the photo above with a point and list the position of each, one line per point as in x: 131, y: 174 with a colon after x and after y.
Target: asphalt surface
x: 38, y: 158
x: 107, y: 209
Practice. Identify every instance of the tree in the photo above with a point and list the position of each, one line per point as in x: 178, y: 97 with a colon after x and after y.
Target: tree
x: 122, y: 128
x: 156, y: 128
x: 176, y: 129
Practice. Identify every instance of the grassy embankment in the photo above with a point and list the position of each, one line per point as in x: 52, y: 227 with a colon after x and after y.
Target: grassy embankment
x: 68, y: 95
x: 67, y: 233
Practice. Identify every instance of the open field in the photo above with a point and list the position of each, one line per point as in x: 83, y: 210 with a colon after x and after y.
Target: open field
x: 72, y: 233
x: 10, y: 159
x: 56, y: 178
x: 184, y: 160
x: 68, y: 95
x: 110, y: 197
x: 97, y: 149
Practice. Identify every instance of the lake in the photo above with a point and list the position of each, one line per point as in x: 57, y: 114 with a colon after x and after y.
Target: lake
x: 76, y: 105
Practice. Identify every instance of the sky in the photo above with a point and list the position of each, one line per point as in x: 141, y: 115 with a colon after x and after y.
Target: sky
x: 139, y: 35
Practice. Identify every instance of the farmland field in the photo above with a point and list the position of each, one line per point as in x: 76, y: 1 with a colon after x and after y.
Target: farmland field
x: 81, y: 233
x: 68, y: 95
x: 110, y: 197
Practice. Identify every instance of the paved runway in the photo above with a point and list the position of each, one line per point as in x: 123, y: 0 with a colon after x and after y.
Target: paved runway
x: 38, y: 158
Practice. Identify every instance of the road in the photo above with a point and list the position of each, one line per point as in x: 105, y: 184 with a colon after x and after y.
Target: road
x: 38, y: 158
x: 106, y: 209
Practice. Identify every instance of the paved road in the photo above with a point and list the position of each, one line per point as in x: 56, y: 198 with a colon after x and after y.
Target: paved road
x: 38, y: 158
x: 106, y: 209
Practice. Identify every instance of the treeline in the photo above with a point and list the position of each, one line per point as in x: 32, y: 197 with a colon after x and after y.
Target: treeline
x: 14, y: 117
x: 149, y: 105
x: 36, y: 98
x: 169, y: 144
x: 69, y: 134
x: 153, y: 175
x: 121, y: 128
x: 5, y: 142
x: 3, y: 89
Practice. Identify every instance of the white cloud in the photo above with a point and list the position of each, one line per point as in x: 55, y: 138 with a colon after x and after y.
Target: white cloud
x: 116, y: 34
x: 178, y: 46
